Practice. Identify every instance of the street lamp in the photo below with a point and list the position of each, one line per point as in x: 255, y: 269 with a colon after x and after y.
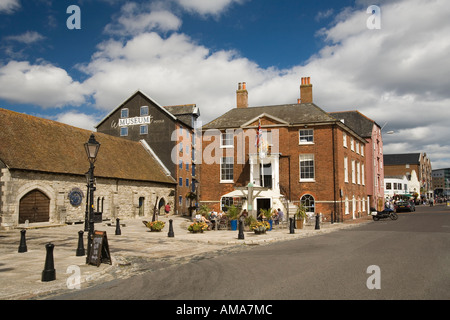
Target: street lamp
x: 91, y: 147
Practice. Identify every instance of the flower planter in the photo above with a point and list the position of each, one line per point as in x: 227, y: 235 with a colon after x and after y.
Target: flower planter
x: 260, y: 232
x: 299, y: 223
x: 155, y: 226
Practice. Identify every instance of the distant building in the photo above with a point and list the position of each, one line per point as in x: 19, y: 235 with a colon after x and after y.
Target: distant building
x: 43, y: 166
x: 396, y: 186
x: 441, y: 182
x: 371, y: 131
x: 288, y: 154
x: 408, y: 164
x: 163, y: 129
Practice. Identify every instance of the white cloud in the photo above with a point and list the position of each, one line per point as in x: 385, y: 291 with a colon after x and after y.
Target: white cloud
x: 138, y: 18
x: 207, y: 7
x: 324, y: 14
x: 27, y: 37
x: 172, y: 71
x: 79, y: 120
x: 39, y: 84
x: 9, y: 6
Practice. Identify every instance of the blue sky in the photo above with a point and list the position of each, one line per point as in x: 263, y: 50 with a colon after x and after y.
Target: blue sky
x: 196, y: 51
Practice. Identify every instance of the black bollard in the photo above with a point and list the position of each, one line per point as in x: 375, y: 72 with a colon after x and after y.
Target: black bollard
x: 317, y: 222
x: 23, y: 242
x: 49, y: 270
x: 118, y: 232
x: 332, y: 217
x: 170, y: 234
x: 291, y: 225
x: 241, y: 230
x: 80, y: 249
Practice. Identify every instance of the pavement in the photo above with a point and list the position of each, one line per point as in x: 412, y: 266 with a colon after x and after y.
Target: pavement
x: 134, y: 251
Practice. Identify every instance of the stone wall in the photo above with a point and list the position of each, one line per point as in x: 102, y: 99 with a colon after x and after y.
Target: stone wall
x: 120, y: 197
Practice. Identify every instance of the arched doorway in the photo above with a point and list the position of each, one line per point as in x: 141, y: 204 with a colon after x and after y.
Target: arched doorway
x: 161, y: 204
x: 34, y: 207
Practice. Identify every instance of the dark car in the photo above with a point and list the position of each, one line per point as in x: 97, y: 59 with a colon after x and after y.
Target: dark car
x: 405, y: 206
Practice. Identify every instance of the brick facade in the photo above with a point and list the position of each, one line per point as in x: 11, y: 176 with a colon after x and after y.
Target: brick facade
x: 329, y: 189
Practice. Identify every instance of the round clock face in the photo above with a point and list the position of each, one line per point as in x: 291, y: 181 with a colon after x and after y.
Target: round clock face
x: 75, y: 197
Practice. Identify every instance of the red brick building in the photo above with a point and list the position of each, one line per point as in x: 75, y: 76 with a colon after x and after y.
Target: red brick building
x: 371, y: 131
x: 308, y: 156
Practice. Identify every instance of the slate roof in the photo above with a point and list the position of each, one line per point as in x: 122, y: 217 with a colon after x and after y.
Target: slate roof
x: 361, y: 124
x: 32, y: 143
x: 304, y: 113
x: 186, y: 113
x: 399, y: 159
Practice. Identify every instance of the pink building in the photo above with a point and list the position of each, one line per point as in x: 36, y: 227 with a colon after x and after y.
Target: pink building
x: 374, y: 171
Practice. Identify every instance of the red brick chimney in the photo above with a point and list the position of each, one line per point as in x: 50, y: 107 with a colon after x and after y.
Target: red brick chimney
x: 306, y: 91
x: 242, y: 96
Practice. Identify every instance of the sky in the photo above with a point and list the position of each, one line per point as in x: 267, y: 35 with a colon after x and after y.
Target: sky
x: 75, y: 66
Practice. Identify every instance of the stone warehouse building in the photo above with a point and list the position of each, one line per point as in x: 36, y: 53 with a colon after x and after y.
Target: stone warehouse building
x: 43, y: 165
x: 308, y: 157
x: 167, y: 130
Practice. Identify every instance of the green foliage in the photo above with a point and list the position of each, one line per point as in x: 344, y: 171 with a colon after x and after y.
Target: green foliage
x: 233, y: 212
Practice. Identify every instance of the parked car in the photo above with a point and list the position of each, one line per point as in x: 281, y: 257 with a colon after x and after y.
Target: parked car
x: 405, y: 206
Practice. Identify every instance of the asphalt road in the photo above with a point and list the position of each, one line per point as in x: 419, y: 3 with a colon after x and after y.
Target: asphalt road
x: 406, y: 259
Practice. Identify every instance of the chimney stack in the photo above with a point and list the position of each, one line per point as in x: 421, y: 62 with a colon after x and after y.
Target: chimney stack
x: 242, y: 96
x: 306, y: 91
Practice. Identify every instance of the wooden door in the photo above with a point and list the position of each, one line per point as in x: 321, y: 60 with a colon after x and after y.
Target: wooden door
x: 34, y: 207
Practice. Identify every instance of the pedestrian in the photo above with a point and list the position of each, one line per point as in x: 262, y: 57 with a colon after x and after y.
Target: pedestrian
x: 280, y: 215
x: 167, y: 208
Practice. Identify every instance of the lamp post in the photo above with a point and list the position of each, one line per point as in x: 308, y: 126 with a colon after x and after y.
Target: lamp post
x: 91, y: 147
x: 86, y: 214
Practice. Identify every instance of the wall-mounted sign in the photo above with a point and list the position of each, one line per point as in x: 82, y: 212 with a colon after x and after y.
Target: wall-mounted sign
x: 135, y: 121
x: 75, y: 197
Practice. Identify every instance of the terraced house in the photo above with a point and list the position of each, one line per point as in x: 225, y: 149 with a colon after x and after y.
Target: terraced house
x: 305, y: 156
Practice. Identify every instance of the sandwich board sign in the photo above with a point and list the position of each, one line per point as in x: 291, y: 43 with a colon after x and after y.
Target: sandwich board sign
x: 100, y: 250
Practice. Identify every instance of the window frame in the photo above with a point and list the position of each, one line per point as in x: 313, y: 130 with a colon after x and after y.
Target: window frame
x: 307, y: 157
x: 124, y: 110
x: 225, y: 138
x: 307, y: 138
x: 144, y: 114
x: 226, y: 172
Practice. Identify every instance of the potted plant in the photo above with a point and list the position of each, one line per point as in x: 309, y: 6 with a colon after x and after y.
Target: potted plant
x: 300, y: 216
x: 156, y: 225
x: 233, y: 215
x: 198, y: 227
x: 203, y: 210
x: 267, y: 215
x: 260, y: 227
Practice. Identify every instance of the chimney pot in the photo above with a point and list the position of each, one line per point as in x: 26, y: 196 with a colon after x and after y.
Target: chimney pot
x: 242, y: 96
x: 306, y: 91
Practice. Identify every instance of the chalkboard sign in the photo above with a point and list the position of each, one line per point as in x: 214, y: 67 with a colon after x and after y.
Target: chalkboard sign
x: 99, y: 250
